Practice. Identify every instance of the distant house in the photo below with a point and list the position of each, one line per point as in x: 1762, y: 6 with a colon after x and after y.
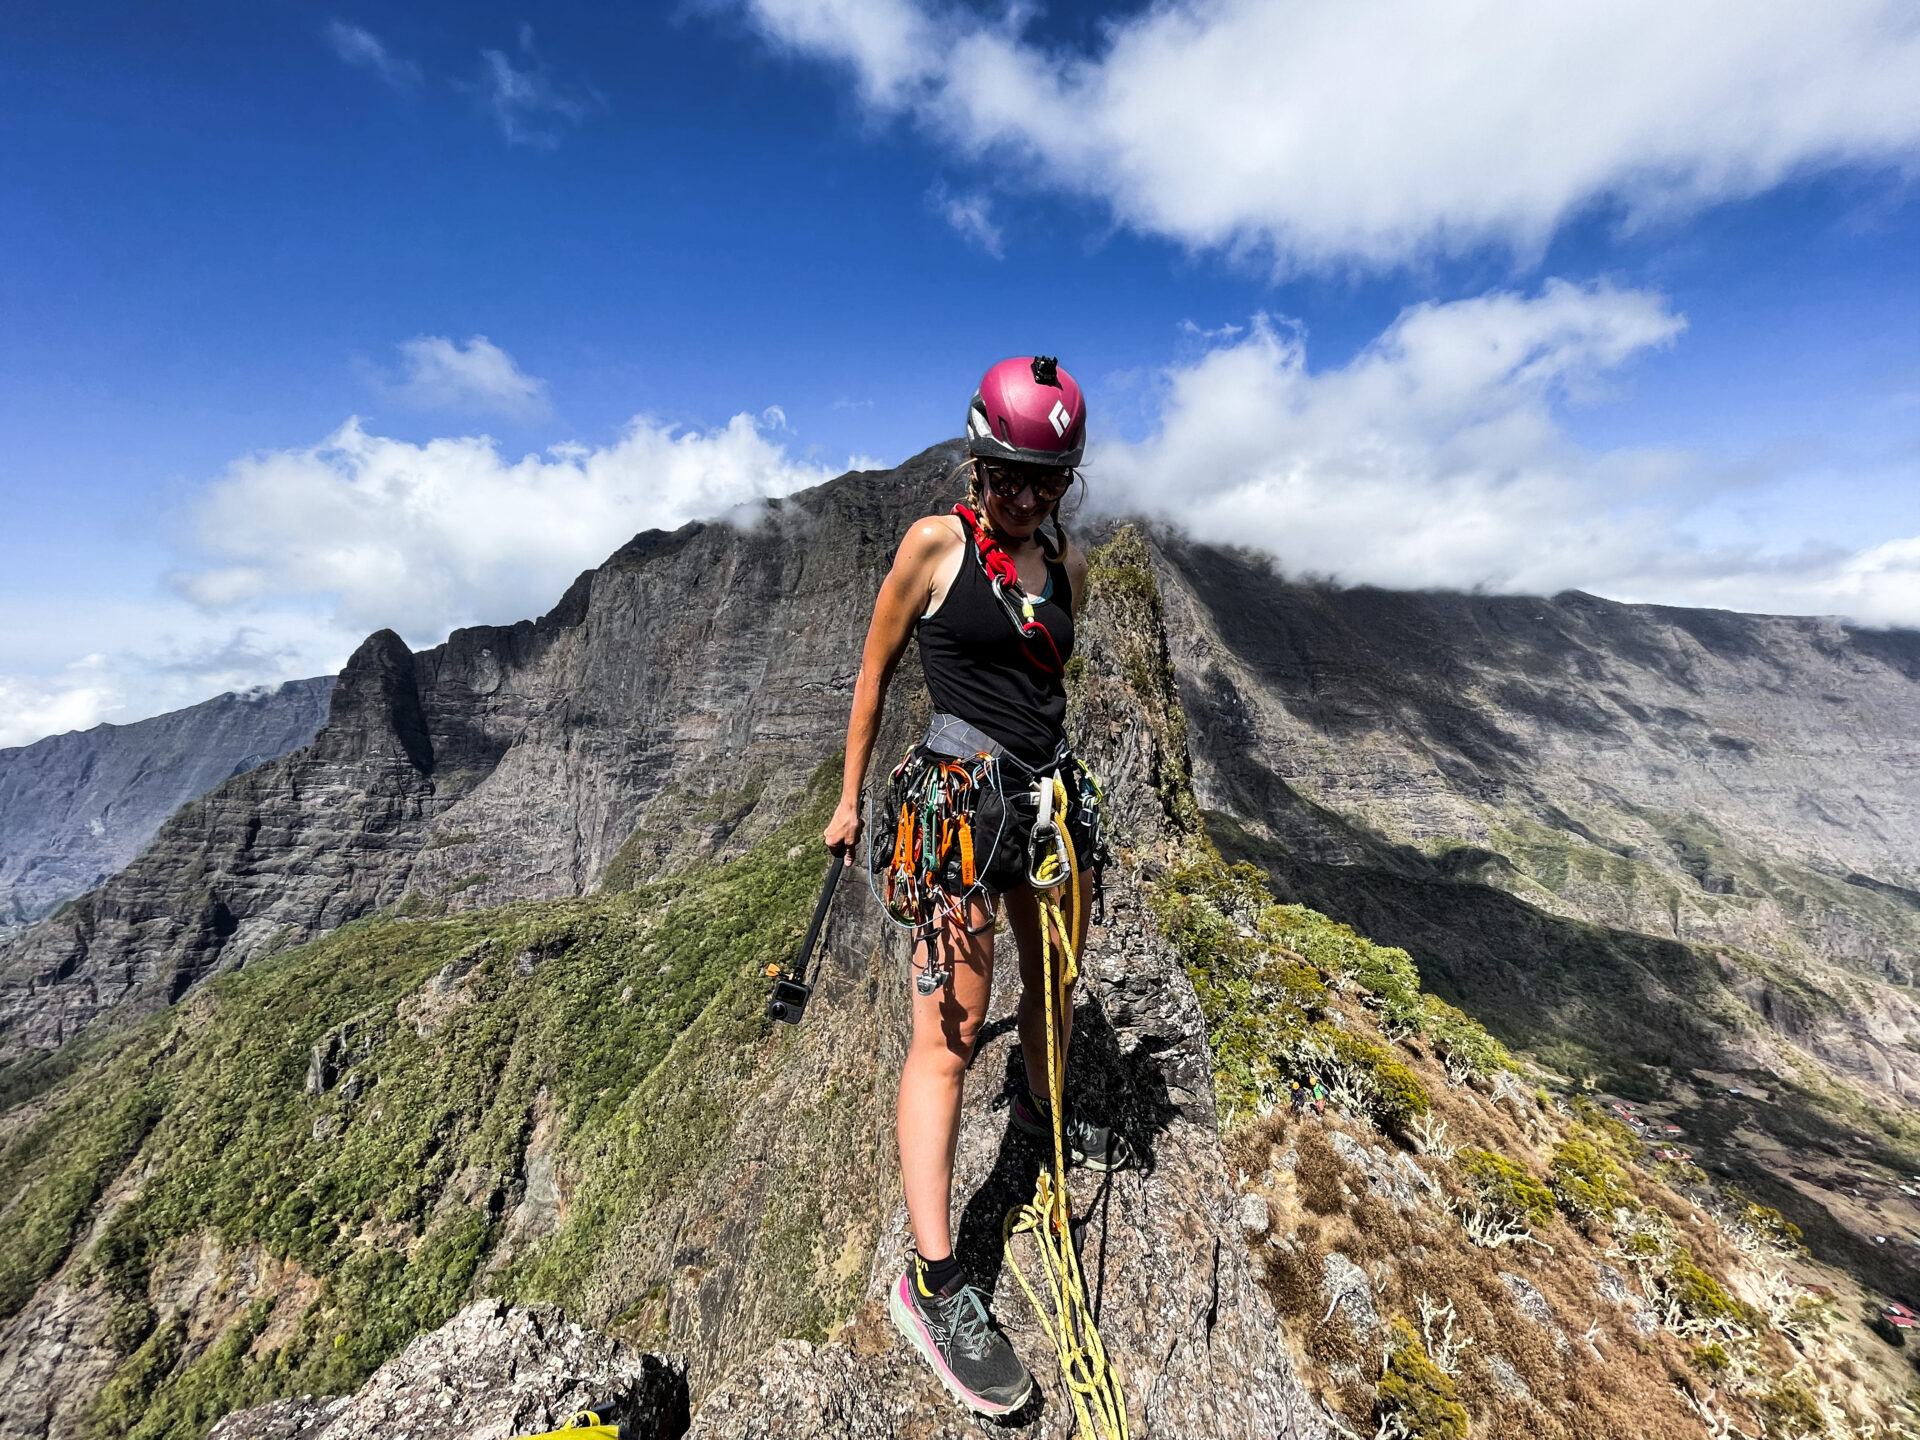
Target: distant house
x: 1899, y: 1316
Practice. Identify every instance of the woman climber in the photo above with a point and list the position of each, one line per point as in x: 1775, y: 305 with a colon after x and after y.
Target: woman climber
x: 976, y: 813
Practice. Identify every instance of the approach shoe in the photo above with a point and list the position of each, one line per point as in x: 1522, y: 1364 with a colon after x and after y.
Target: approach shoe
x: 956, y: 1334
x: 1088, y: 1144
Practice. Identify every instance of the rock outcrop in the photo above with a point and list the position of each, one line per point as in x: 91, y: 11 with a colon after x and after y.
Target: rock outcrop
x: 490, y: 1373
x: 75, y: 808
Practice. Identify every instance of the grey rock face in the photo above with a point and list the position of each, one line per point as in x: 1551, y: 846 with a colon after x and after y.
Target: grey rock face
x: 1527, y: 1296
x: 75, y: 808
x: 491, y: 1372
x: 1347, y: 1291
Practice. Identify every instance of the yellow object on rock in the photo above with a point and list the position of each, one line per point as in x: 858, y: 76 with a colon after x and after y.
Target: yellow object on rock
x: 584, y: 1425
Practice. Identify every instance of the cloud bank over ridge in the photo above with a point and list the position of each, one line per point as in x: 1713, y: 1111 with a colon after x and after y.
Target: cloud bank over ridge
x: 1437, y: 458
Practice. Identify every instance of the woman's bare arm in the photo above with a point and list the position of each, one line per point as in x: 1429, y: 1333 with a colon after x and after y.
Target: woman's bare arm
x: 904, y: 595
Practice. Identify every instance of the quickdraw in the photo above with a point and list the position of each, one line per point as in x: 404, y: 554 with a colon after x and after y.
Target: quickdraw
x: 938, y: 859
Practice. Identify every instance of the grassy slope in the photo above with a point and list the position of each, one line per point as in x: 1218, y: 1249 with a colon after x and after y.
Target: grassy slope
x: 637, y: 1015
x: 1291, y: 995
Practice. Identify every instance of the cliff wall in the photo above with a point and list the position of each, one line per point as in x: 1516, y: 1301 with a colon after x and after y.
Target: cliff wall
x: 75, y: 808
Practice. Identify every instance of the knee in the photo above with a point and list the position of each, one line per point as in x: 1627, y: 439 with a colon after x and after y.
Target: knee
x: 948, y: 1049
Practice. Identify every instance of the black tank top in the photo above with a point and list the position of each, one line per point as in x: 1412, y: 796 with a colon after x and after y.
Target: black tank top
x: 977, y: 667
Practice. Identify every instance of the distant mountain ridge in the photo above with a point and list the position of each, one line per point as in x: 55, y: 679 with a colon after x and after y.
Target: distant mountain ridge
x: 76, y: 808
x: 1647, y: 846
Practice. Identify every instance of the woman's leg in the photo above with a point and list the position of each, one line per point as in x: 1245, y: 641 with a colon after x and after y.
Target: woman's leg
x: 945, y: 1025
x: 1023, y: 918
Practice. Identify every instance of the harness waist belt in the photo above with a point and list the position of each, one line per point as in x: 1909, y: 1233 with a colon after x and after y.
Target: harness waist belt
x: 953, y: 737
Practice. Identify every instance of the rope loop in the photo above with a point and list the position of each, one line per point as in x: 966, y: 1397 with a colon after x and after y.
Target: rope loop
x: 1098, y: 1404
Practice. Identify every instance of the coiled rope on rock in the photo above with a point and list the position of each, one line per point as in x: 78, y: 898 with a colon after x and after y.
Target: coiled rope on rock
x: 1098, y: 1403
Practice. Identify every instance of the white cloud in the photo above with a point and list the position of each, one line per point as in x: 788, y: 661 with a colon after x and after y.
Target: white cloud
x: 970, y: 214
x: 427, y: 537
x: 529, y: 104
x: 364, y: 49
x: 1436, y: 458
x: 164, y: 654
x: 76, y: 699
x: 1372, y: 131
x: 475, y: 378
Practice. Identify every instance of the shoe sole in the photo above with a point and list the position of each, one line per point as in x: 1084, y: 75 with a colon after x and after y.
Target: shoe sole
x: 908, y: 1323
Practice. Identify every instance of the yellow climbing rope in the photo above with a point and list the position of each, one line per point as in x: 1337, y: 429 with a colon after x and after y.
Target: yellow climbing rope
x: 1068, y: 1321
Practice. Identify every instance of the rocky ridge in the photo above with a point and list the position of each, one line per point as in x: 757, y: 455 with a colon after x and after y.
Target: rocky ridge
x: 76, y: 808
x: 1668, y: 851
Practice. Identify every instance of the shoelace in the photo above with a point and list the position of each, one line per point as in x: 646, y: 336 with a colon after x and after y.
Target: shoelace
x: 1087, y: 1137
x: 972, y: 1325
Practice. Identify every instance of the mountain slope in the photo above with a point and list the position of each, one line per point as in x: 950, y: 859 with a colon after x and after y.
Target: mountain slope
x: 306, y: 1162
x: 1670, y: 850
x: 75, y: 808
x: 663, y: 711
x: 302, y: 1164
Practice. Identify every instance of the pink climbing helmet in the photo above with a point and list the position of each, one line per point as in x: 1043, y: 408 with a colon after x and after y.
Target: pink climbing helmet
x: 1029, y: 410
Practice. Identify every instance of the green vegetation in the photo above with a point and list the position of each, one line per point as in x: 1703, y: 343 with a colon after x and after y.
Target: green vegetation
x: 1702, y: 1296
x: 443, y: 1039
x: 1790, y: 1408
x: 1262, y: 971
x: 1417, y: 1392
x: 1506, y: 1186
x: 1586, y: 1182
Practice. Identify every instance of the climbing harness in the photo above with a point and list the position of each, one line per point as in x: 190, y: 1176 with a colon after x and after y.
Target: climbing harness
x: 790, y: 988
x: 1003, y: 576
x: 952, y: 819
x: 947, y: 834
x: 1098, y: 1403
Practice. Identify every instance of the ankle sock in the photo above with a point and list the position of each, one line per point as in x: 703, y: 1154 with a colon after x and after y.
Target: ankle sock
x: 937, y: 1276
x: 1040, y: 1103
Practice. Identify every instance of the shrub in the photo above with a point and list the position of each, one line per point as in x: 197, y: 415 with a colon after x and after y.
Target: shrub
x: 1462, y: 1043
x: 1416, y: 1392
x: 1586, y: 1181
x: 1790, y: 1408
x: 1506, y: 1186
x: 1711, y: 1358
x: 1700, y: 1295
x: 1767, y: 1223
x: 1390, y: 1093
x: 1606, y: 1130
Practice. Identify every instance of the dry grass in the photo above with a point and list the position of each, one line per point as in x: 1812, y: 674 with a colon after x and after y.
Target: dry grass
x: 1589, y: 1373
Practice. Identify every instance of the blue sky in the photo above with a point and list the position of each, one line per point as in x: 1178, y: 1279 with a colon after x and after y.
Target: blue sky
x: 1430, y: 294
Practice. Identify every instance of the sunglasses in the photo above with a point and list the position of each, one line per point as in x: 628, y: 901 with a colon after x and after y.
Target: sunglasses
x: 1007, y: 482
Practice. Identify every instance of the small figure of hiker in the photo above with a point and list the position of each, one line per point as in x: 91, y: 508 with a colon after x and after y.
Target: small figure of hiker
x: 1319, y: 1097
x: 975, y: 815
x: 1299, y: 1098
